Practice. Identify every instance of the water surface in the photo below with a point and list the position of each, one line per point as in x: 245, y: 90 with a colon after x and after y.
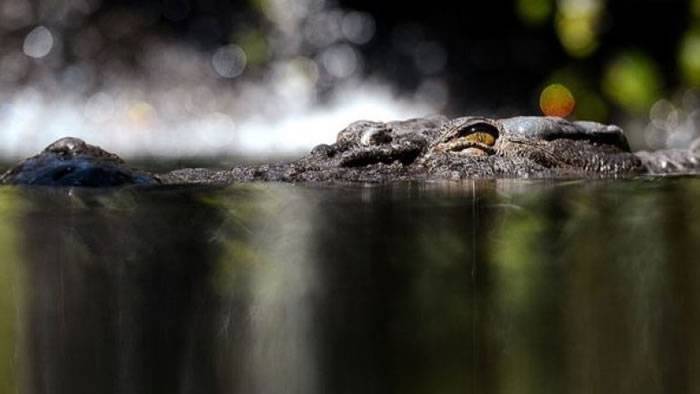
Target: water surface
x: 479, y: 287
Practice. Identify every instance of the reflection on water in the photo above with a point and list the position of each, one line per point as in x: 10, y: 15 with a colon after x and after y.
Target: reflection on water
x: 492, y: 286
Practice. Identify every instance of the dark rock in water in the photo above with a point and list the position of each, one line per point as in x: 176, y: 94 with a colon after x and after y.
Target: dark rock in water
x: 434, y: 148
x: 71, y: 162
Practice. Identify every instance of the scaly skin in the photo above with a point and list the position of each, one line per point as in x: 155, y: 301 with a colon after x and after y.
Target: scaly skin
x: 417, y: 149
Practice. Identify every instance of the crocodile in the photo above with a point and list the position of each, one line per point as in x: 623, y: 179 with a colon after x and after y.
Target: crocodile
x: 431, y: 148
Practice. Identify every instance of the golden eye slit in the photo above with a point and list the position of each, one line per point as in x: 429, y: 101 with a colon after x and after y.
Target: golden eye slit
x: 481, y: 137
x: 474, y: 139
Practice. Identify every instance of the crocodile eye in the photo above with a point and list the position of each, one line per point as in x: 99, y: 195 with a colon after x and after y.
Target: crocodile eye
x: 478, y: 133
x: 474, y: 138
x: 479, y: 128
x: 480, y: 137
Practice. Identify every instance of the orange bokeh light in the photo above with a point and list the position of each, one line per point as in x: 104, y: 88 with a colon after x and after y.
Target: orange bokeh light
x: 557, y: 100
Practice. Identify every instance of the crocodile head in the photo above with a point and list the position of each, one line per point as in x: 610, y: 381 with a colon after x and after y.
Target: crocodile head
x: 529, y: 146
x: 469, y: 147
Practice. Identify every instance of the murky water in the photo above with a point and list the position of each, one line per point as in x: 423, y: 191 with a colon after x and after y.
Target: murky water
x: 477, y: 287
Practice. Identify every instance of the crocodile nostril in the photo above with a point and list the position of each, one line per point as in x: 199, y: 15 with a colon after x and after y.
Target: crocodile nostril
x: 323, y: 150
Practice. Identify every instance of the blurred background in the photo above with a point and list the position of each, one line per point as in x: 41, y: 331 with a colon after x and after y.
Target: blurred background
x: 261, y: 78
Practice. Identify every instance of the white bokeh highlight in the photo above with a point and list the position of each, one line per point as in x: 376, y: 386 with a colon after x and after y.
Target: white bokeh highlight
x: 38, y: 42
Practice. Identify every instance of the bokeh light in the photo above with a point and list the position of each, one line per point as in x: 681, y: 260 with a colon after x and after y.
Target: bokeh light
x: 255, y: 47
x: 578, y: 22
x: 590, y: 104
x: 689, y: 57
x: 340, y: 61
x: 674, y: 122
x: 229, y: 61
x: 557, y: 100
x: 358, y: 27
x: 38, y: 42
x: 632, y: 80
